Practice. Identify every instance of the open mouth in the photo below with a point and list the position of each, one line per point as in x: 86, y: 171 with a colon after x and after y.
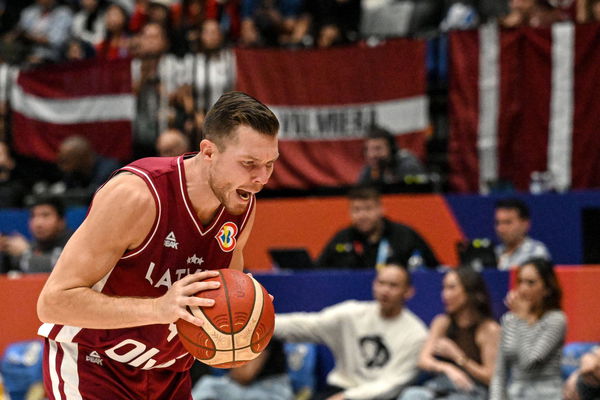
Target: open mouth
x: 244, y: 195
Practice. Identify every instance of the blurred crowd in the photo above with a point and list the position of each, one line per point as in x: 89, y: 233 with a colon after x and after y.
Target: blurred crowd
x: 42, y: 31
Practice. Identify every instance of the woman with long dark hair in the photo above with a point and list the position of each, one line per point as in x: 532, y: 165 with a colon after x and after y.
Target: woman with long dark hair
x: 461, y: 347
x: 533, y: 333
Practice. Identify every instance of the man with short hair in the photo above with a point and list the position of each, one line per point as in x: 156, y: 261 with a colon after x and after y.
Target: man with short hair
x: 375, y: 344
x: 385, y: 163
x: 373, y: 239
x: 513, y: 222
x: 153, y: 235
x: 172, y: 143
x: 48, y: 228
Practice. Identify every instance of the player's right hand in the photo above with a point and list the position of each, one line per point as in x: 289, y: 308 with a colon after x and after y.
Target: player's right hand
x: 173, y: 305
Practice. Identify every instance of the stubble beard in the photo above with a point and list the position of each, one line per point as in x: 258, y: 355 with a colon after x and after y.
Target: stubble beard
x: 220, y: 191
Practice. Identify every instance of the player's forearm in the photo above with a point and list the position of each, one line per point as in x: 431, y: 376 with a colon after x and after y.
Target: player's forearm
x: 86, y: 308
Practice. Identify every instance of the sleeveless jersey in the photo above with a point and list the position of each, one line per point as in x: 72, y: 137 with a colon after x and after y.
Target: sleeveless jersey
x: 177, y: 245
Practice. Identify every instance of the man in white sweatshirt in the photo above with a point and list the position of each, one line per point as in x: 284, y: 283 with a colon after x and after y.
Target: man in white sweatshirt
x: 375, y: 344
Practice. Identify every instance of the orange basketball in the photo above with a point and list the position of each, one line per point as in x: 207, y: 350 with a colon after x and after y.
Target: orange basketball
x: 237, y: 328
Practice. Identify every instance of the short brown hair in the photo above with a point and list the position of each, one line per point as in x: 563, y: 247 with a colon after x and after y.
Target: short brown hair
x: 363, y: 193
x: 234, y: 109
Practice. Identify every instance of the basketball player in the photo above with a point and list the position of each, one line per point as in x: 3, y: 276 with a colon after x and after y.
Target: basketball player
x: 154, y: 231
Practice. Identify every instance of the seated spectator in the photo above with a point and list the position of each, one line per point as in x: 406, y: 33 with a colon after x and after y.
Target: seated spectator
x: 88, y: 23
x: 595, y: 10
x: 534, y: 13
x: 268, y: 23
x: 533, y: 333
x: 172, y: 143
x: 77, y: 50
x: 375, y: 344
x: 461, y: 347
x: 513, y: 222
x: 584, y: 383
x: 334, y: 21
x: 48, y: 229
x: 12, y: 190
x: 373, y: 239
x: 83, y: 170
x: 385, y: 163
x: 263, y: 378
x: 45, y: 26
x: 116, y: 43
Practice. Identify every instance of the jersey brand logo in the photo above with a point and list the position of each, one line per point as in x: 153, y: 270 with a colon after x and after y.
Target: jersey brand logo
x: 195, y: 260
x: 170, y: 241
x: 94, y: 358
x: 226, y: 236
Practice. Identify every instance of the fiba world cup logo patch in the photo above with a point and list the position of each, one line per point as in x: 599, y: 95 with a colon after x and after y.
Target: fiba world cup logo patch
x: 226, y: 236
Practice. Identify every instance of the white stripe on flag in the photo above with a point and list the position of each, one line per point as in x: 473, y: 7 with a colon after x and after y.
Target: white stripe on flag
x: 115, y: 107
x: 69, y: 372
x: 560, y: 144
x: 349, y: 121
x: 489, y: 103
x: 52, y: 367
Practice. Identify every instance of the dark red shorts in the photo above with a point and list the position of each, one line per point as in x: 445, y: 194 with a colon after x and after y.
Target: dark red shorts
x: 72, y: 371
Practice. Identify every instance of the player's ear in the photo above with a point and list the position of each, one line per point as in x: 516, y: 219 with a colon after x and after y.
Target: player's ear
x: 207, y: 148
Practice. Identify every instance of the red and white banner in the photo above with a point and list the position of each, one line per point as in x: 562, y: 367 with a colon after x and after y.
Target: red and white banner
x: 91, y: 98
x: 327, y: 99
x: 525, y: 100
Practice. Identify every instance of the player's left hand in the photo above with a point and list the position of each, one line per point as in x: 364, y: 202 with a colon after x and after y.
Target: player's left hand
x: 173, y: 305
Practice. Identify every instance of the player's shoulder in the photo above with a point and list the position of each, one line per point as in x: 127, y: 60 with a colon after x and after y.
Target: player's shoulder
x: 125, y: 189
x: 152, y: 166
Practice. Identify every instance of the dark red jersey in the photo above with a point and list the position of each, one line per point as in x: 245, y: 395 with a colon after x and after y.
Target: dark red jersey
x: 177, y: 245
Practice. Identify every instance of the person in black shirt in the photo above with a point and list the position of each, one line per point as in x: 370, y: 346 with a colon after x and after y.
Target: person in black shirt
x: 373, y: 239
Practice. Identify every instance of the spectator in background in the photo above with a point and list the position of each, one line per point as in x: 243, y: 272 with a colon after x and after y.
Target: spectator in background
x: 268, y: 22
x: 172, y: 143
x: 77, y: 49
x: 48, y: 229
x: 385, y: 163
x: 209, y: 73
x: 88, y: 23
x: 462, y: 344
x: 45, y: 26
x: 151, y: 44
x: 334, y: 21
x: 263, y: 378
x: 534, y: 13
x: 584, y: 383
x: 513, y: 222
x: 375, y: 344
x: 373, y: 239
x: 533, y: 333
x: 12, y: 190
x: 593, y: 10
x: 116, y: 43
x: 83, y: 170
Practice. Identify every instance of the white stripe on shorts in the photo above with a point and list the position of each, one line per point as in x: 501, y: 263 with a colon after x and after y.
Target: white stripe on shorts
x: 68, y: 371
x: 52, y: 349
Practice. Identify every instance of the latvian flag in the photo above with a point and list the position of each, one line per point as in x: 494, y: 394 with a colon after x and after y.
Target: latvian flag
x: 326, y: 100
x: 90, y: 98
x: 524, y: 100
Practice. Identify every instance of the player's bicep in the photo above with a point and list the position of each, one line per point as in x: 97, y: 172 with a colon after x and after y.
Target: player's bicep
x: 121, y: 216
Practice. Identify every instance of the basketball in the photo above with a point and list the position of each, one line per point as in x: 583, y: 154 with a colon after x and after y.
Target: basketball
x: 237, y: 328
